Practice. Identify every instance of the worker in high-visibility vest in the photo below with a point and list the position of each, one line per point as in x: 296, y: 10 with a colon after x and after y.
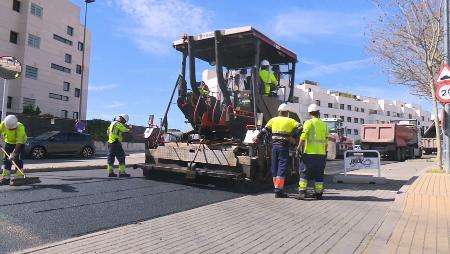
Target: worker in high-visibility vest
x: 282, y: 128
x: 115, y: 149
x: 267, y: 77
x: 15, y: 139
x: 313, y: 149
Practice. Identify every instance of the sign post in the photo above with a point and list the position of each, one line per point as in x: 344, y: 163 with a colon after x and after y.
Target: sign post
x: 443, y: 96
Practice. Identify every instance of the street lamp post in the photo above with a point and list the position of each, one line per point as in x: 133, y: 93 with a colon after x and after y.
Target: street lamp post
x: 82, y: 57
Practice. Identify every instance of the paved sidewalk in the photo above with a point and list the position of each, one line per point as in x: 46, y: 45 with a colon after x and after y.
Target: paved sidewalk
x: 345, y: 222
x: 67, y: 163
x: 424, y: 226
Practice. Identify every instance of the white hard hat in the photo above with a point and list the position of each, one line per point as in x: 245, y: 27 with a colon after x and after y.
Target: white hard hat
x: 11, y: 122
x: 265, y: 63
x: 313, y: 108
x: 283, y: 107
x: 125, y: 117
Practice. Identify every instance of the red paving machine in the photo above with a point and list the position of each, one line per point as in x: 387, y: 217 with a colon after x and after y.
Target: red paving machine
x: 225, y: 109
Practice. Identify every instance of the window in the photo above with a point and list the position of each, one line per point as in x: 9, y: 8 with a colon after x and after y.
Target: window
x: 68, y: 58
x: 356, y: 132
x: 356, y: 109
x: 325, y: 115
x: 349, y: 107
x: 349, y: 119
x: 75, y: 115
x: 388, y: 113
x: 334, y: 116
x: 66, y: 86
x: 410, y: 116
x: 362, y: 110
x: 423, y: 118
x: 34, y: 41
x: 77, y: 92
x: 9, y: 102
x: 36, y: 10
x: 16, y: 5
x: 13, y: 37
x: 28, y: 102
x: 318, y: 102
x: 349, y: 131
x: 63, y: 40
x: 65, y: 98
x: 382, y: 121
x: 79, y: 72
x: 80, y: 46
x: 55, y: 96
x: 362, y: 120
x: 70, y: 30
x: 342, y: 118
x: 31, y: 72
x: 330, y: 105
x: 341, y: 106
x: 64, y: 113
x: 355, y: 120
x: 60, y: 68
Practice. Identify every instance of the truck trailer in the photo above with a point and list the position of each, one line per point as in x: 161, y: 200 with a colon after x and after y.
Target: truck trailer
x: 398, y: 140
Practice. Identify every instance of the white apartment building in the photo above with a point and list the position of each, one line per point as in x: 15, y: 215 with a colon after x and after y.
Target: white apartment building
x: 47, y: 38
x: 355, y: 110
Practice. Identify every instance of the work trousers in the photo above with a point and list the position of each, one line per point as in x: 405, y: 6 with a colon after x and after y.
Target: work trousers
x: 312, y: 170
x: 7, y: 165
x: 115, y: 150
x: 280, y: 160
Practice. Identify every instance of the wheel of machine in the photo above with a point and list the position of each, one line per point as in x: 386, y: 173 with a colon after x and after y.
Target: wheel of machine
x: 398, y: 154
x: 87, y: 152
x: 38, y: 152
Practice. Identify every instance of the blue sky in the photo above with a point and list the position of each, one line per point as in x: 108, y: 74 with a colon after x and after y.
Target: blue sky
x: 328, y: 37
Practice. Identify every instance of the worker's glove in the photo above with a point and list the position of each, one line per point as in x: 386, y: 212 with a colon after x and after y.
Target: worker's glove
x: 12, y: 156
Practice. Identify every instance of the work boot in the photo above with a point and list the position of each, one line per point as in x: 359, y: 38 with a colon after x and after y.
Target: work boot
x: 4, y: 181
x: 124, y: 175
x: 280, y: 195
x: 301, y: 194
x: 112, y: 174
x: 319, y: 195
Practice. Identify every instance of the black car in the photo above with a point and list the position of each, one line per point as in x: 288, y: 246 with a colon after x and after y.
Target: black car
x: 58, y: 143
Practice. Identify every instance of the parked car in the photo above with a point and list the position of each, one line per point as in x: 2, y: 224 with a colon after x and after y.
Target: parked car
x: 59, y: 143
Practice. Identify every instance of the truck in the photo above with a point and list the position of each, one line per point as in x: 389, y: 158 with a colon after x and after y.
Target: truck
x: 338, y: 142
x: 429, y: 140
x: 231, y: 111
x: 397, y: 140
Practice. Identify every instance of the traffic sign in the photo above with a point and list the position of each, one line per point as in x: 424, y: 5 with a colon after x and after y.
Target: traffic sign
x: 443, y: 92
x: 444, y: 75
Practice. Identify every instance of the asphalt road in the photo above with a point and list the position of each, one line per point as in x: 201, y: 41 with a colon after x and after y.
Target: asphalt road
x: 72, y: 203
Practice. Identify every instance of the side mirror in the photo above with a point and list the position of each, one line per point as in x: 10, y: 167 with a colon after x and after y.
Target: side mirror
x: 10, y: 67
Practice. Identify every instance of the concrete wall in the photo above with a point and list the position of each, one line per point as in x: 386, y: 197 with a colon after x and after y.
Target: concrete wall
x: 102, y: 147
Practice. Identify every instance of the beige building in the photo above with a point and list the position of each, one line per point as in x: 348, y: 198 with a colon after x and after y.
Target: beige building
x: 47, y: 37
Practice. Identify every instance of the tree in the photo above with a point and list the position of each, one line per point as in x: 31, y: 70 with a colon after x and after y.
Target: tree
x: 407, y: 41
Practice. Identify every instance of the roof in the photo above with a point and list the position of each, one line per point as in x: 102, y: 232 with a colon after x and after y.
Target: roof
x: 238, y: 48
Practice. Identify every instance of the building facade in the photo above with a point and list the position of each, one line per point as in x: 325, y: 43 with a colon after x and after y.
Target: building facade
x: 356, y: 110
x: 47, y: 38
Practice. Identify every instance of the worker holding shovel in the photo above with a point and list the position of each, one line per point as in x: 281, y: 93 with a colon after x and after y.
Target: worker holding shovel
x: 15, y: 138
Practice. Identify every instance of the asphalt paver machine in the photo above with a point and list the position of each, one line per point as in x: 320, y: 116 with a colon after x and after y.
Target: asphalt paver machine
x: 225, y: 108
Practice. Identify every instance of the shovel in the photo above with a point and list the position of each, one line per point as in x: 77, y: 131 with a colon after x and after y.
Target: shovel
x: 25, y: 179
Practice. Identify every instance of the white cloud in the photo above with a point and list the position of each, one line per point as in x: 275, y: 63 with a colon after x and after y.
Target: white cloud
x: 158, y: 23
x: 322, y: 70
x: 115, y: 105
x: 102, y: 88
x: 306, y: 25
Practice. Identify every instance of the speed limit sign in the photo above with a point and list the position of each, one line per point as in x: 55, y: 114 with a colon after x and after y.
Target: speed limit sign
x: 443, y: 92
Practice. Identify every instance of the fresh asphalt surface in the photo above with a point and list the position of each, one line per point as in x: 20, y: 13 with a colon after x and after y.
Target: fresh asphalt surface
x: 72, y: 203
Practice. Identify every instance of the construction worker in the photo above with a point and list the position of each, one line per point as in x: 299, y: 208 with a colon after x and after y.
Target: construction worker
x: 313, y: 149
x: 15, y: 138
x: 267, y: 77
x: 115, y: 149
x: 282, y: 128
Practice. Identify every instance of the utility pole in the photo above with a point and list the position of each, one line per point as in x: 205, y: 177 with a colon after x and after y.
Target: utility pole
x: 447, y: 105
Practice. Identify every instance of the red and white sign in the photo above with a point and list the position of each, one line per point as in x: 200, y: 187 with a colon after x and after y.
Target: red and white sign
x: 443, y: 83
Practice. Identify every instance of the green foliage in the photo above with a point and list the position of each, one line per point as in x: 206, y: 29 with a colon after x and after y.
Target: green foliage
x: 37, y: 111
x: 31, y: 111
x: 97, y: 128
